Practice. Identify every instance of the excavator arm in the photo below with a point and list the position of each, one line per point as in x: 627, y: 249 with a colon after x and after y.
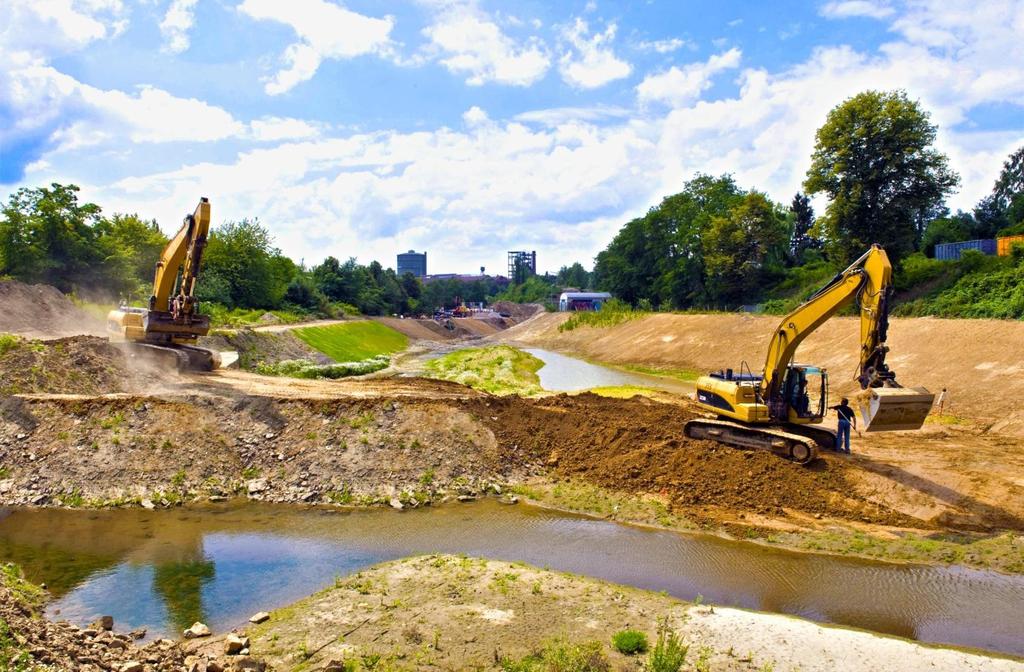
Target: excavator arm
x: 172, y: 323
x: 868, y: 281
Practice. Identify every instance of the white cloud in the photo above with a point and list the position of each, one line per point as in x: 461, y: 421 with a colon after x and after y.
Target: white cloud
x: 176, y: 24
x: 469, y: 43
x: 681, y: 86
x: 474, y: 116
x: 559, y: 180
x: 326, y: 31
x: 50, y: 27
x: 590, y: 62
x: 275, y: 129
x: 843, y: 9
x: 666, y: 46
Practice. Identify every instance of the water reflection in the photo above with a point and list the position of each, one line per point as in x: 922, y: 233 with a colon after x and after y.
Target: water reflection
x: 165, y: 569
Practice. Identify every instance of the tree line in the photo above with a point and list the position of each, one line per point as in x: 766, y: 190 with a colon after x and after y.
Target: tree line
x: 48, y: 236
x: 717, y: 245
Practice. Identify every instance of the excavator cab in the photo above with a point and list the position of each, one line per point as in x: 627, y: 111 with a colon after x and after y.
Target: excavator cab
x: 805, y: 393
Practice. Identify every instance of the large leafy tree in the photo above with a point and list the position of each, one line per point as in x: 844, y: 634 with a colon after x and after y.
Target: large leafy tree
x: 744, y: 249
x: 660, y: 256
x: 241, y: 257
x: 573, y: 276
x: 874, y: 158
x: 46, y: 235
x: 130, y: 247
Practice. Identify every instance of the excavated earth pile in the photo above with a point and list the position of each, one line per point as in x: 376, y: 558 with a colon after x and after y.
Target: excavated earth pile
x: 637, y: 445
x: 41, y: 311
x: 71, y: 365
x: 413, y: 449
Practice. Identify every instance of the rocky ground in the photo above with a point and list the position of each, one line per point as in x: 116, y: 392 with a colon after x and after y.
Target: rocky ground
x: 29, y: 642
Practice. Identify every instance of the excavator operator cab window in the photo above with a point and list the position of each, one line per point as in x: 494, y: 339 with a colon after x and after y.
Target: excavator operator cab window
x: 801, y: 382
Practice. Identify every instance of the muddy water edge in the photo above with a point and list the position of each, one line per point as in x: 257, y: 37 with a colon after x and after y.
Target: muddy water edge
x: 220, y: 563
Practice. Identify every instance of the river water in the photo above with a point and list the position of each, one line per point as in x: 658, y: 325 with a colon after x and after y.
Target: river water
x: 220, y: 564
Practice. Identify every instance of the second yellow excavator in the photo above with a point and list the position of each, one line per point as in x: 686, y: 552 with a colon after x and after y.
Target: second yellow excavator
x: 772, y: 410
x: 171, y: 326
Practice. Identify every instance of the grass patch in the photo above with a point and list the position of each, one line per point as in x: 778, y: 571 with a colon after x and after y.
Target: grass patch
x: 1003, y: 552
x: 235, y: 318
x: 559, y: 655
x: 304, y: 368
x: 612, y: 313
x: 586, y: 498
x: 8, y: 342
x: 688, y: 375
x: 623, y: 391
x: 499, y: 369
x: 353, y: 341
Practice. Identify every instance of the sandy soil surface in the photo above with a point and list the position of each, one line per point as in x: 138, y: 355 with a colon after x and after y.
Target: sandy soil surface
x: 444, y: 612
x: 979, y: 361
x: 41, y: 311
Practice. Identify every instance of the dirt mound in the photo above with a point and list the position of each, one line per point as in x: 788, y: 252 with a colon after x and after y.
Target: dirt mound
x: 41, y: 311
x: 269, y: 347
x: 637, y: 445
x: 519, y: 312
x: 72, y: 365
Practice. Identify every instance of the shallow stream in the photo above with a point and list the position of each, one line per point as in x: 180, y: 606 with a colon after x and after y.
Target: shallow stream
x: 220, y: 564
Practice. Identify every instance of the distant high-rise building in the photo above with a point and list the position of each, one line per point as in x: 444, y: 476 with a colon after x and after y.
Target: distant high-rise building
x: 521, y: 265
x: 412, y: 262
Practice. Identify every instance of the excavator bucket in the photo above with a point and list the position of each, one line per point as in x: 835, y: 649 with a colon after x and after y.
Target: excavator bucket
x: 885, y: 409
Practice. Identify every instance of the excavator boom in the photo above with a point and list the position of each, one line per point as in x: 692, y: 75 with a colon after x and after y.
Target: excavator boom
x: 780, y: 396
x: 172, y: 324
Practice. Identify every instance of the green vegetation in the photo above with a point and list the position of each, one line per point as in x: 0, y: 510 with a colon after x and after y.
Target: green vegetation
x: 688, y: 375
x: 630, y: 642
x: 1003, y: 552
x: 353, y: 341
x: 583, y: 497
x: 8, y: 342
x: 235, y: 318
x: 497, y: 369
x: 612, y: 313
x: 559, y: 655
x: 304, y: 368
x: 623, y: 391
x: 669, y: 653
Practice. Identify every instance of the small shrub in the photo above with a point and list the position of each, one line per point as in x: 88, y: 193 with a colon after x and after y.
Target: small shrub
x: 304, y: 368
x: 178, y: 479
x: 8, y: 342
x: 669, y: 653
x: 629, y: 642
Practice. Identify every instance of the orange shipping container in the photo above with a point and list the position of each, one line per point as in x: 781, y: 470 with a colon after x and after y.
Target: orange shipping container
x: 1004, y: 244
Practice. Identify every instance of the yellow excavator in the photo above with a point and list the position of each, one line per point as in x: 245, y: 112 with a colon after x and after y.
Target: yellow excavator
x: 172, y: 324
x: 773, y: 410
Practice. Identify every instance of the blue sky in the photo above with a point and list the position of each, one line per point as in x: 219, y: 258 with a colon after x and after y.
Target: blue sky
x: 468, y: 127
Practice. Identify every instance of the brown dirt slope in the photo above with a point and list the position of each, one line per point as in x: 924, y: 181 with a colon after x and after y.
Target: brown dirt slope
x: 126, y: 448
x: 255, y: 346
x: 981, y: 362
x: 41, y: 311
x: 72, y: 365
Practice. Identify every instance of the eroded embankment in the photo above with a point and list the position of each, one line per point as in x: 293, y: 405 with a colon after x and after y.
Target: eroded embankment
x: 92, y: 450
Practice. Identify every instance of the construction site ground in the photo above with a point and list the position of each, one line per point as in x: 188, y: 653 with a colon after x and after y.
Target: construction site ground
x: 128, y: 432
x: 82, y: 424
